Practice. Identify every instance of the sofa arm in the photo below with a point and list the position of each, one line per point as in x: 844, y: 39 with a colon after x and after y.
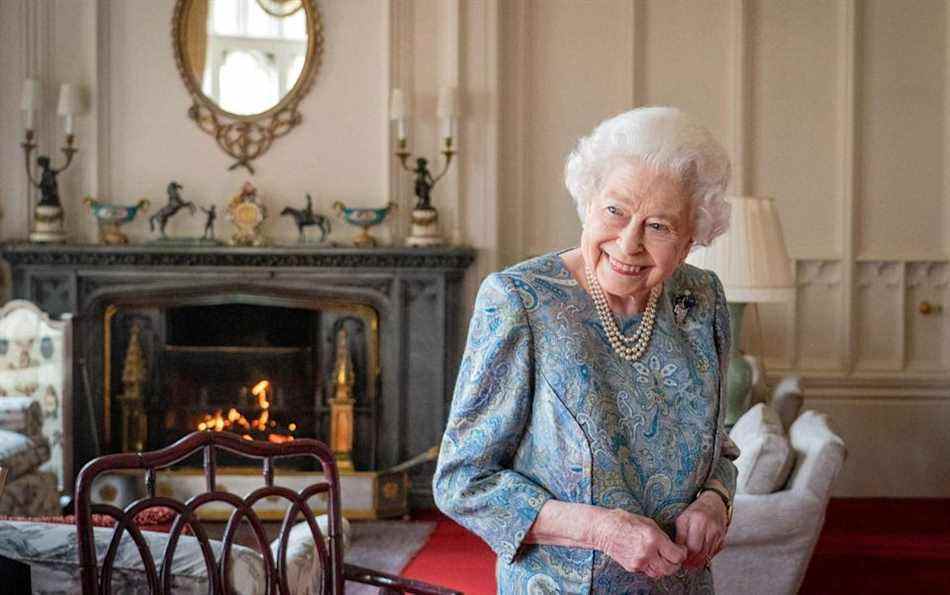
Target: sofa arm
x: 819, y: 454
x: 778, y: 516
x: 21, y: 415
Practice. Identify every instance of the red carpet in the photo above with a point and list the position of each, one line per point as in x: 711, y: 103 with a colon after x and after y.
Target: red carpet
x: 867, y: 546
x: 454, y: 558
x: 877, y: 545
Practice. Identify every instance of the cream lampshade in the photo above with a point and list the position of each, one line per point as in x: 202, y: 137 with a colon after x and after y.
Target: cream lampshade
x: 753, y: 265
x: 750, y: 258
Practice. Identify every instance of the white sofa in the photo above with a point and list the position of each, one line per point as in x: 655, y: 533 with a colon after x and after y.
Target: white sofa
x: 773, y: 535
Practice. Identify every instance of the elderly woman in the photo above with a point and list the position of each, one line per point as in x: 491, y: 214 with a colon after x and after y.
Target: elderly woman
x: 585, y: 442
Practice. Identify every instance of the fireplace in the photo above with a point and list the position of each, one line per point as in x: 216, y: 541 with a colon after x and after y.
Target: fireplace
x: 252, y: 370
x: 213, y: 323
x: 263, y: 371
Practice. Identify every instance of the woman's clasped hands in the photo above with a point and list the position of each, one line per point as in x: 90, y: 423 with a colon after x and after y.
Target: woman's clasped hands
x: 702, y: 529
x: 638, y: 544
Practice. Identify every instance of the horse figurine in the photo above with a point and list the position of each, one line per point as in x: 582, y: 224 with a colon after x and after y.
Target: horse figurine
x: 306, y: 217
x: 175, y: 204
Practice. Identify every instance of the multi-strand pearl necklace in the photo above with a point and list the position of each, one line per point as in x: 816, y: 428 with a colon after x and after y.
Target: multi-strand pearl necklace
x: 631, y: 347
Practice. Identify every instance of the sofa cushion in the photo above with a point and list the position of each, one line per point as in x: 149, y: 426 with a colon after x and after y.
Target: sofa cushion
x: 21, y: 415
x: 30, y: 495
x: 21, y: 454
x: 787, y: 400
x: 766, y: 456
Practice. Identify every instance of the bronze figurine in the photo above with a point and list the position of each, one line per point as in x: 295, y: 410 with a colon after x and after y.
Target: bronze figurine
x: 175, y: 204
x: 306, y: 217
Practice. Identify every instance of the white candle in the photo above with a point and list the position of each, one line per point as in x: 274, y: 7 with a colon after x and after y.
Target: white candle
x: 30, y: 100
x: 447, y: 111
x: 401, y: 129
x: 399, y: 111
x: 448, y: 128
x: 68, y: 104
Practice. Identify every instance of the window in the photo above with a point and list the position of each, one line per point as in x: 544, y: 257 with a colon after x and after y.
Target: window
x: 253, y: 58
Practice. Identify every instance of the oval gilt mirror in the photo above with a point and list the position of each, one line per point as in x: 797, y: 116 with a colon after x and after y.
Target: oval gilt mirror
x: 247, y: 64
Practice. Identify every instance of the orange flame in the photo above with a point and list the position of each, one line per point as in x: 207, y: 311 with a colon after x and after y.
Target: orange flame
x: 260, y: 391
x: 233, y: 420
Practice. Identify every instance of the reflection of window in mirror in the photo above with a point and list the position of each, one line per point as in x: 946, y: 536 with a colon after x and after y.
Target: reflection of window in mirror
x: 253, y: 59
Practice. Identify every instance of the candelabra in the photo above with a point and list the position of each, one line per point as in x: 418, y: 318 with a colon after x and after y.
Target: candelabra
x: 48, y: 221
x: 425, y: 218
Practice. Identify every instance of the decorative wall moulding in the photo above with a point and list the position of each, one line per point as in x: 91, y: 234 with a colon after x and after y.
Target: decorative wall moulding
x: 867, y: 386
x: 928, y: 274
x: 879, y: 274
x: 826, y: 273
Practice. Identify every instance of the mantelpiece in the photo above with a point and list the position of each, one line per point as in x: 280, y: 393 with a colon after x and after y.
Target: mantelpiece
x: 415, y: 294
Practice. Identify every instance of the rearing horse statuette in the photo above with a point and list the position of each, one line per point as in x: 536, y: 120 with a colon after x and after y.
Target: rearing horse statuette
x: 175, y: 204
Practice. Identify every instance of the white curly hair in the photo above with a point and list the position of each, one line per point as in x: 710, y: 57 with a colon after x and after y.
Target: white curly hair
x: 664, y: 138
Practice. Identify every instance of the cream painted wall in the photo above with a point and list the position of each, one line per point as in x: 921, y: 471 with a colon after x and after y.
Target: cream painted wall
x: 837, y: 108
x: 339, y: 152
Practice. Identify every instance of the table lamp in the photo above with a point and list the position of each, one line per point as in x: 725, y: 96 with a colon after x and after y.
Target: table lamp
x: 753, y: 265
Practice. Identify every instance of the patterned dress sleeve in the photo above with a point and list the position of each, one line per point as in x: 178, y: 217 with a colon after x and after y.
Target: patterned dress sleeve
x: 723, y: 469
x: 474, y: 483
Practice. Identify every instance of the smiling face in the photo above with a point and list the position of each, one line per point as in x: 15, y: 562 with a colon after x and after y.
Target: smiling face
x: 636, y: 232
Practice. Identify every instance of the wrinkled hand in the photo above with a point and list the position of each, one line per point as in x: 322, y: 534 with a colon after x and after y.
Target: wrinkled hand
x: 701, y: 528
x: 637, y: 544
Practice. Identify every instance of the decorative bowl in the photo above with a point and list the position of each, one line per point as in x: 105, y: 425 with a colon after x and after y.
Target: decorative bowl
x: 364, y: 218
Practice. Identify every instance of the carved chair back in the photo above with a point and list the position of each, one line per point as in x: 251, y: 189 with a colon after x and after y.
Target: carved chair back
x: 98, y: 580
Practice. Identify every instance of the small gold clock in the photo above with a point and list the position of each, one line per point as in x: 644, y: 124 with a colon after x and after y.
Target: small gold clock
x: 247, y: 215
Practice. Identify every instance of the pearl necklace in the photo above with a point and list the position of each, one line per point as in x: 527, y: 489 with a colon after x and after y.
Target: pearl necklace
x: 631, y: 347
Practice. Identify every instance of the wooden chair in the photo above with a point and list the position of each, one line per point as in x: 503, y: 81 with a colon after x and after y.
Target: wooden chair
x: 97, y: 580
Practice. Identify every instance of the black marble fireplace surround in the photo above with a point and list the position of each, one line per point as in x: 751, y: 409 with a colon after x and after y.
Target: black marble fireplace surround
x: 289, y: 301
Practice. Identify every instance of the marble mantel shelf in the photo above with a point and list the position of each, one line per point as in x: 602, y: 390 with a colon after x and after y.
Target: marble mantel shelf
x: 24, y: 253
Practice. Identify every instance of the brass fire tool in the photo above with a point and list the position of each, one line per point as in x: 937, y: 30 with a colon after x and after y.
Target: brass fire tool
x: 134, y: 374
x: 341, y: 405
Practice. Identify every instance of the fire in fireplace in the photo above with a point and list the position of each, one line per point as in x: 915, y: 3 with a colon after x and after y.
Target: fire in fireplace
x: 261, y: 427
x: 262, y: 371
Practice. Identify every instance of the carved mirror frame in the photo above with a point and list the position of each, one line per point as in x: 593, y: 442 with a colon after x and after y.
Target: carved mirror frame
x: 247, y: 137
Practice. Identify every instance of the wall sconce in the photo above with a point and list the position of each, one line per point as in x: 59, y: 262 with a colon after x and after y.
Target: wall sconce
x: 425, y: 218
x: 48, y: 223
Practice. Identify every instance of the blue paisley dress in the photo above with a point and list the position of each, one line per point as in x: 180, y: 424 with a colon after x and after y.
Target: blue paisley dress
x: 544, y: 408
